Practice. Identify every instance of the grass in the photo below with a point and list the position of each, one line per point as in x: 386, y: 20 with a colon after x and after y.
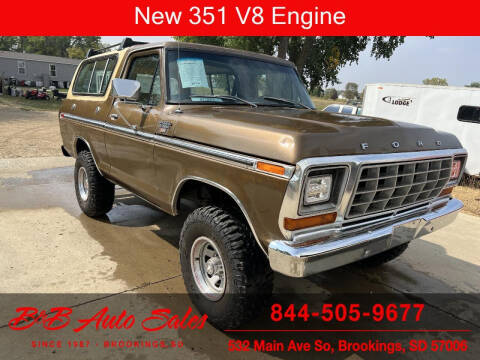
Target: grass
x: 29, y: 105
x: 470, y: 197
x: 469, y: 193
x: 321, y: 103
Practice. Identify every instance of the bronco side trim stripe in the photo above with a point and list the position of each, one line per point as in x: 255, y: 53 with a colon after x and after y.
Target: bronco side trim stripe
x: 249, y: 161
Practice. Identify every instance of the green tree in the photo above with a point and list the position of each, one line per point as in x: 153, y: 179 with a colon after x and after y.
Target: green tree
x: 331, y: 93
x: 47, y: 45
x: 81, y: 44
x: 435, y: 81
x: 318, y: 58
x: 7, y: 43
x: 76, y: 53
x: 351, y: 91
x: 71, y: 46
x: 474, y: 84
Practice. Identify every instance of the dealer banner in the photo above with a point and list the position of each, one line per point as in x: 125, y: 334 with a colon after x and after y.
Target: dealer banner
x: 214, y: 17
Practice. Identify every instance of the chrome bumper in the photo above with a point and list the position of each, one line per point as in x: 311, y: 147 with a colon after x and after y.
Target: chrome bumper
x: 308, y: 260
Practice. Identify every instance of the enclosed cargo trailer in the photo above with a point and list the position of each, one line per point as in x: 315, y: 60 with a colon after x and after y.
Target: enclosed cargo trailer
x: 445, y: 108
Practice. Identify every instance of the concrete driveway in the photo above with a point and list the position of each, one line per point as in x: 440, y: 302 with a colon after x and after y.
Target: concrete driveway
x: 49, y: 246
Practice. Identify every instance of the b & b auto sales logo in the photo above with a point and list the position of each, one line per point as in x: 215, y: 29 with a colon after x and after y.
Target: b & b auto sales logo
x: 396, y: 100
x: 60, y: 317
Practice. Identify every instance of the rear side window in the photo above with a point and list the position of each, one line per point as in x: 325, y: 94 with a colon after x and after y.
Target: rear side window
x: 97, y: 77
x: 469, y: 114
x: 94, y: 76
x: 144, y: 69
x: 347, y: 110
x: 83, y: 78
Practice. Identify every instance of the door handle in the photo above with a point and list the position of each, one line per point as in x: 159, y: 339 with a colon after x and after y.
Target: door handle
x: 113, y: 117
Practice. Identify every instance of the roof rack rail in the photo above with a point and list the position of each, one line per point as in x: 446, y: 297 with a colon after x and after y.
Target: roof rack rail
x: 127, y: 42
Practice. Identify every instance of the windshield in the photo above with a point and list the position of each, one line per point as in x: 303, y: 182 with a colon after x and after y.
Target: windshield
x: 197, y: 77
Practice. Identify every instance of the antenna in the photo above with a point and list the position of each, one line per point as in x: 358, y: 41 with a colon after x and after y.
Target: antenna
x: 179, y: 108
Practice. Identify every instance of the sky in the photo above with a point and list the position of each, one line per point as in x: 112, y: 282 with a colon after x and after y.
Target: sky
x: 455, y: 58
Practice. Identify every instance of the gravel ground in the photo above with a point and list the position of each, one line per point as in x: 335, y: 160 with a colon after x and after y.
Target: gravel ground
x: 26, y: 134
x: 470, y: 197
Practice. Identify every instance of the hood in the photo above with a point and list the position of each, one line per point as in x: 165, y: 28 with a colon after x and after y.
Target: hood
x: 289, y: 135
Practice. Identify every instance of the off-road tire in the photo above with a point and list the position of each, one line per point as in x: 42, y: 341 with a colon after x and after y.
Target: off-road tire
x: 249, y: 278
x: 101, y: 192
x: 384, y: 257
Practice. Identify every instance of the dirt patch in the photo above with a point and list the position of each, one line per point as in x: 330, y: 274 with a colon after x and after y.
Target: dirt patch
x: 25, y: 134
x: 470, y: 197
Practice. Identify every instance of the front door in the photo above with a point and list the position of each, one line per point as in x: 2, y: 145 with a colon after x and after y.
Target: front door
x: 129, y: 146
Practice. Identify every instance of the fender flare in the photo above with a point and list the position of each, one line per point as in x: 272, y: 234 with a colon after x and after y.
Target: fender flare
x: 75, y: 141
x: 226, y: 191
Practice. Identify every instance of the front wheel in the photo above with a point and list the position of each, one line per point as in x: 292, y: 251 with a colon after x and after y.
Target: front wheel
x: 224, y: 270
x: 95, y: 194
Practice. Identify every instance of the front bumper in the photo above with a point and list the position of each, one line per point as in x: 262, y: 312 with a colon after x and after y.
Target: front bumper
x: 307, y: 260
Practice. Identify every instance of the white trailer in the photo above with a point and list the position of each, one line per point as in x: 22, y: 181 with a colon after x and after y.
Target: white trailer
x: 445, y: 108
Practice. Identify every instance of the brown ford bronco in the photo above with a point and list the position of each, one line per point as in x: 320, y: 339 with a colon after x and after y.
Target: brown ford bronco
x: 270, y: 183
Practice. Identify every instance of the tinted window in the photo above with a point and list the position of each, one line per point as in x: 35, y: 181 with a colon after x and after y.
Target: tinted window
x: 469, y: 113
x: 144, y: 70
x: 332, y: 108
x: 94, y: 76
x: 347, y: 110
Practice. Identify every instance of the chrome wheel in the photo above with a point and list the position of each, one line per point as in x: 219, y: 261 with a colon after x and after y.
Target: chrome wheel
x: 208, y: 268
x: 83, y: 183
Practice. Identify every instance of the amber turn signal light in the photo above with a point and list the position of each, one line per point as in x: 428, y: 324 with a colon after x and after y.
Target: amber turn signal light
x: 270, y: 168
x: 446, y: 191
x: 296, y: 224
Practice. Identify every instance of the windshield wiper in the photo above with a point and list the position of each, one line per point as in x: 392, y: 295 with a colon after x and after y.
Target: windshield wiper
x: 285, y: 101
x: 230, y: 97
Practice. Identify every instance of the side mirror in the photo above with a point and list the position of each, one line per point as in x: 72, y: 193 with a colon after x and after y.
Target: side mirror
x: 126, y: 89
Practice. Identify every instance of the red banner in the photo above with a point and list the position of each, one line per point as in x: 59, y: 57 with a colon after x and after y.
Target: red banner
x: 241, y: 17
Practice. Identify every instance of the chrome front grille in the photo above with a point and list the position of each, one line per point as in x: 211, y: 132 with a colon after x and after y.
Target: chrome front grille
x: 384, y: 187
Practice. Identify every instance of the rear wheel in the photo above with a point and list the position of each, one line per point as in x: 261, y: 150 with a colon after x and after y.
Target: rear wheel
x: 224, y: 270
x: 384, y: 257
x: 95, y: 194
